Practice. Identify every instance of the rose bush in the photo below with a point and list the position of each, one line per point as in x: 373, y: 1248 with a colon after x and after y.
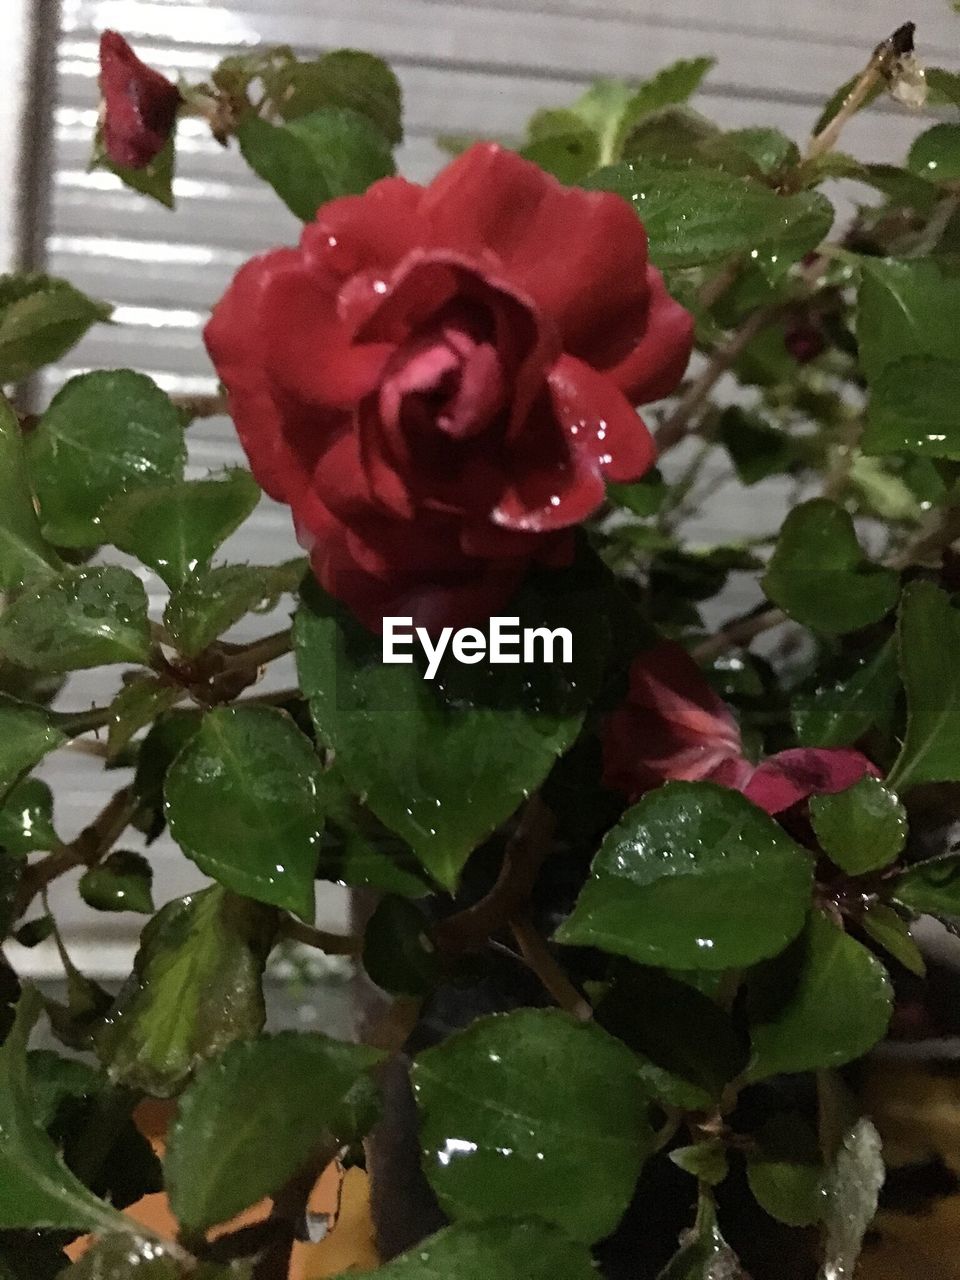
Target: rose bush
x: 440, y: 380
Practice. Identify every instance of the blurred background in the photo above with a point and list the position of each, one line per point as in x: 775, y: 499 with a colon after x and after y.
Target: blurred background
x: 466, y: 66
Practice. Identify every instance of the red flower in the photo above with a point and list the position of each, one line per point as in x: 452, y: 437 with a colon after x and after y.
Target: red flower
x: 673, y: 727
x: 139, y: 105
x: 439, y: 380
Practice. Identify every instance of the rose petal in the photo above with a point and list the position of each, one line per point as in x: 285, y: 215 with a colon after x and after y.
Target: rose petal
x: 601, y: 424
x: 791, y: 776
x: 658, y: 361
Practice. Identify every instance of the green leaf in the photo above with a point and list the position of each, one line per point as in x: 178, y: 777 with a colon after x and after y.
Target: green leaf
x: 669, y: 87
x: 703, y: 1252
x: 906, y: 308
x: 688, y: 1047
x: 819, y: 575
x: 568, y: 156
x: 696, y: 215
x: 26, y: 817
x: 154, y: 179
x: 120, y: 883
x: 227, y: 1150
x: 892, y: 932
x: 244, y: 803
x: 786, y: 1174
x: 407, y: 744
x: 861, y: 829
x: 839, y: 714
x: 913, y: 409
x: 169, y: 734
x: 213, y: 600
x: 24, y: 555
x: 36, y: 931
x: 176, y: 528
x: 944, y: 85
x: 137, y: 704
x: 642, y: 498
x: 342, y: 78
x: 132, y: 1257
x: 852, y: 1194
x: 36, y: 1187
x: 196, y: 987
x: 694, y: 877
x: 41, y: 318
x: 308, y: 161
x: 936, y: 153
x: 504, y: 1250
x: 87, y: 618
x: 104, y: 434
x: 821, y: 1004
x: 523, y: 1110
x: 27, y: 733
x: 756, y: 449
x: 397, y: 952
x: 931, y: 887
x: 902, y: 188
x: 705, y: 1161
x: 928, y: 636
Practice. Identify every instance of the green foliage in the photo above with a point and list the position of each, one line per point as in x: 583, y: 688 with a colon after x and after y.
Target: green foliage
x: 331, y: 152
x: 27, y: 733
x: 41, y: 318
x: 329, y: 1100
x: 244, y: 801
x: 103, y: 435
x: 928, y: 632
x: 211, y: 601
x: 24, y: 554
x: 693, y: 877
x: 862, y: 828
x: 820, y: 576
x: 120, y: 883
x: 786, y: 1173
x: 489, y: 1099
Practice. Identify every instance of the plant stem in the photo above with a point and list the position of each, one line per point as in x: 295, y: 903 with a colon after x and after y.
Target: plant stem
x: 940, y: 534
x: 331, y: 944
x: 90, y: 846
x: 289, y: 1207
x: 739, y: 633
x: 260, y: 652
x: 194, y: 407
x: 544, y: 964
x: 678, y: 424
x: 526, y: 852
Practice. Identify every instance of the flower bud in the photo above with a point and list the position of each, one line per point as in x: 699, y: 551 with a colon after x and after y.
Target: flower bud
x: 139, y: 109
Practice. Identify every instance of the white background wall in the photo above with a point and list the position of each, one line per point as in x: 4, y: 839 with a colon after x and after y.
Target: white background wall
x: 465, y: 65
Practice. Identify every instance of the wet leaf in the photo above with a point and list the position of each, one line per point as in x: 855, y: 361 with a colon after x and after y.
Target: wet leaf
x: 138, y: 704
x: 694, y: 876
x: 703, y: 1252
x: 522, y: 1110
x: 120, y: 883
x: 820, y: 576
x: 892, y: 932
x: 132, y: 1257
x: 342, y: 78
x: 705, y: 1161
x: 26, y: 817
x: 196, y: 988
x: 24, y: 555
x: 913, y: 409
x: 928, y: 637
x: 104, y: 433
x: 213, y: 600
x: 786, y: 1174
x: 932, y: 887
x: 244, y: 802
x: 936, y: 153
x: 321, y: 1096
x: 176, y: 528
x: 860, y: 829
x: 27, y: 733
x: 36, y: 1187
x: 838, y: 715
x: 824, y: 1002
x: 86, y: 618
x: 852, y: 1193
x: 41, y: 318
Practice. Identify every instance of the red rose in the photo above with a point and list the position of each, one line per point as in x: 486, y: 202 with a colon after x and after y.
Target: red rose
x: 139, y: 105
x: 673, y: 727
x: 439, y: 380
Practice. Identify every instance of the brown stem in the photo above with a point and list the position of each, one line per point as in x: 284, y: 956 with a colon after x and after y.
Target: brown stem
x: 289, y: 1207
x: 89, y: 847
x: 544, y: 964
x: 739, y: 633
x: 678, y: 424
x: 929, y: 545
x: 193, y: 407
x: 331, y: 944
x: 525, y: 854
x: 260, y: 652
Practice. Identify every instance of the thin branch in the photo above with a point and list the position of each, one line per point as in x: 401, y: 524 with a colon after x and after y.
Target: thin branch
x: 525, y: 854
x: 544, y: 964
x: 260, y: 652
x: 194, y: 407
x: 88, y: 848
x: 289, y: 1209
x: 739, y: 633
x: 331, y: 944
x: 678, y: 424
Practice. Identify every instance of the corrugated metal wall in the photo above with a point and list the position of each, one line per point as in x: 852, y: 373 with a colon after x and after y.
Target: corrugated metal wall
x: 471, y: 67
